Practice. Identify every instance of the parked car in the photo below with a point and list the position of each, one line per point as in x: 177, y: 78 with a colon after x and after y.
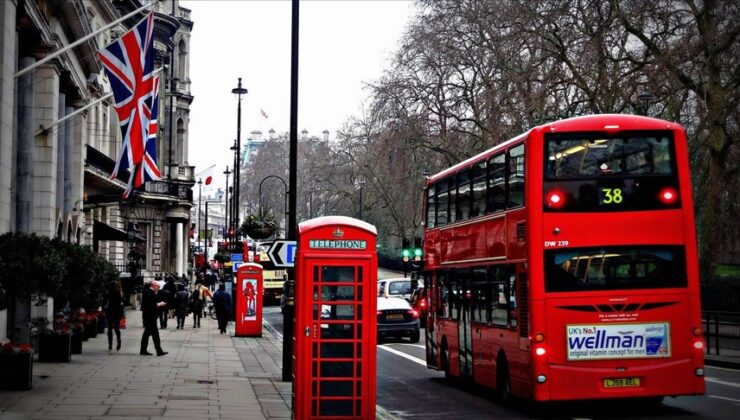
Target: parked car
x: 420, y: 303
x: 397, y: 319
x: 395, y: 287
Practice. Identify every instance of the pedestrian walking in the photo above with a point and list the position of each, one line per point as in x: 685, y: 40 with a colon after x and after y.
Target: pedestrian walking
x: 196, y: 307
x: 169, y: 285
x: 150, y: 308
x: 163, y: 295
x: 113, y: 305
x: 205, y: 294
x: 222, y: 302
x: 181, y: 306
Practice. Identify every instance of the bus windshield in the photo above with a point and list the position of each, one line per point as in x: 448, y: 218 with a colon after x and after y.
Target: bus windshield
x: 573, y: 156
x: 614, y: 268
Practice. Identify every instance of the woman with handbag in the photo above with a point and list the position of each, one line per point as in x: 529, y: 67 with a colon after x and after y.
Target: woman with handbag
x: 114, y: 312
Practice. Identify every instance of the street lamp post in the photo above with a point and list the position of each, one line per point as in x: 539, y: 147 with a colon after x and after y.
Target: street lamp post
x: 238, y: 91
x: 232, y: 206
x: 227, y: 172
x: 361, y: 183
x: 200, y: 193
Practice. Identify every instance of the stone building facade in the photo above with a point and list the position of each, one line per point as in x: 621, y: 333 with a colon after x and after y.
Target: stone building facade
x: 55, y: 176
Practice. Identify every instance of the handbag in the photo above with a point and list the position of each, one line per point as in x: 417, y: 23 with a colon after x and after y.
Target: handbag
x: 122, y: 323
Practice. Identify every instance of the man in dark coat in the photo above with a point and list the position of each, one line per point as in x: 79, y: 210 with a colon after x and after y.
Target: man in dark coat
x: 149, y: 311
x: 222, y: 302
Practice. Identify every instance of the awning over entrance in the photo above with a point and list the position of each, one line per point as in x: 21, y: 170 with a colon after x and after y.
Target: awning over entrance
x: 105, y: 232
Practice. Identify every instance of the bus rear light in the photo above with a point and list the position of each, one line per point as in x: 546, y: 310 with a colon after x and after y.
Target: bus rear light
x: 699, y: 345
x: 668, y: 195
x: 541, y: 379
x: 540, y: 351
x: 555, y: 199
x: 698, y: 331
x: 539, y: 337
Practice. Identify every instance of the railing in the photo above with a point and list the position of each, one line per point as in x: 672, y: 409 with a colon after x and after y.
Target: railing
x: 721, y: 331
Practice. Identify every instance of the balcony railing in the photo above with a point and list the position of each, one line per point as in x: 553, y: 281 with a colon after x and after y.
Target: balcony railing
x: 183, y: 192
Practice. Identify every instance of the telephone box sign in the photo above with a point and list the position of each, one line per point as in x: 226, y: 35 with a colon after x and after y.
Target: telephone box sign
x: 337, y: 244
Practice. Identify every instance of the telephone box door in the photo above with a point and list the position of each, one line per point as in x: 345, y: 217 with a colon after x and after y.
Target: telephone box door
x: 248, y: 293
x: 335, y: 329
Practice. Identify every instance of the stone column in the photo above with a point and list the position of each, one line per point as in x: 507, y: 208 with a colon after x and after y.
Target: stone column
x: 24, y: 169
x: 61, y: 138
x: 45, y: 146
x: 69, y: 145
x: 8, y: 53
x: 178, y: 248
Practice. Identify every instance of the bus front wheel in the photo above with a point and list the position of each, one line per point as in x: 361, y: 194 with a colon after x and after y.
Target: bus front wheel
x: 503, y: 380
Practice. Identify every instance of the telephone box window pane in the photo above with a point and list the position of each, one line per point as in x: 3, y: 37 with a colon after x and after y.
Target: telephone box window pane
x: 359, y: 392
x: 358, y: 407
x: 359, y: 274
x: 359, y: 332
x: 315, y: 370
x: 359, y: 293
x: 314, y: 388
x: 337, y: 350
x: 316, y: 312
x: 359, y: 350
x: 359, y: 370
x: 314, y: 407
x: 337, y: 293
x: 315, y: 352
x: 336, y: 408
x: 339, y: 312
x: 336, y: 389
x: 336, y: 369
x: 337, y: 331
x: 337, y: 274
x: 315, y: 274
x: 315, y: 293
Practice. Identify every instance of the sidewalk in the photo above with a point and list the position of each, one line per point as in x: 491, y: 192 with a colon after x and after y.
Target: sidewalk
x: 727, y: 358
x: 205, y: 376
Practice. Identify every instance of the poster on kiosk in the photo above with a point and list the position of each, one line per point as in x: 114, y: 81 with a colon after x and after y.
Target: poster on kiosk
x: 248, y: 300
x: 335, y: 319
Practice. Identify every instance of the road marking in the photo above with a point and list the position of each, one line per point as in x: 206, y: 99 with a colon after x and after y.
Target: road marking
x: 419, y: 346
x: 724, y: 398
x: 717, y: 381
x: 721, y: 368
x: 404, y: 355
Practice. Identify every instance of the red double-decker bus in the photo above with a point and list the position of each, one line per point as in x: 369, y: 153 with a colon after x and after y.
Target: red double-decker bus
x: 562, y: 264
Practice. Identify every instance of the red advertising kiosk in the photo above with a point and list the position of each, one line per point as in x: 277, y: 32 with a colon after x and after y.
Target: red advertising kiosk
x: 248, y: 290
x: 335, y: 319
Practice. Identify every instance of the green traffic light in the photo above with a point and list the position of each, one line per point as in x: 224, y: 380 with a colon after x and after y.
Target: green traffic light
x: 417, y: 252
x: 405, y: 253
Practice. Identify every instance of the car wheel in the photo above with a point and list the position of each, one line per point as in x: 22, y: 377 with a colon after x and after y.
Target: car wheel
x: 415, y: 336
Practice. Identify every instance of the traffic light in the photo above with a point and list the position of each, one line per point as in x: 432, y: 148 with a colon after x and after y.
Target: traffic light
x: 405, y: 249
x: 417, y: 249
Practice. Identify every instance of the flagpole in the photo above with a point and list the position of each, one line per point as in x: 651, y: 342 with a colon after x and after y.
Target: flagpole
x: 78, y: 42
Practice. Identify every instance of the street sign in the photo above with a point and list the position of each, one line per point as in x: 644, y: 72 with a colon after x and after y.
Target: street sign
x: 237, y: 257
x: 282, y: 253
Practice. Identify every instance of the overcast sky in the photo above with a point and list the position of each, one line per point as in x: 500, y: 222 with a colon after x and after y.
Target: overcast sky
x: 343, y: 44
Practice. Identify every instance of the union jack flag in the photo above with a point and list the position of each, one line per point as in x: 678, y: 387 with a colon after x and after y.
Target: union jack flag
x: 129, y: 64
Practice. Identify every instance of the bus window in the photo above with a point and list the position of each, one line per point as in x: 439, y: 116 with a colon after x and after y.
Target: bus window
x: 615, y: 268
x: 431, y: 206
x: 481, y: 294
x: 442, y: 203
x: 512, y: 299
x: 479, y: 190
x: 452, y: 213
x: 496, y: 184
x: 515, y: 176
x: 463, y: 196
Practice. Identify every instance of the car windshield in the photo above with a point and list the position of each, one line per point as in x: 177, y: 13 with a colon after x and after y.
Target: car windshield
x: 399, y: 287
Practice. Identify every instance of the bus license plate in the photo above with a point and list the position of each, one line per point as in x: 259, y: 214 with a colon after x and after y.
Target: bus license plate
x: 394, y: 316
x: 621, y: 382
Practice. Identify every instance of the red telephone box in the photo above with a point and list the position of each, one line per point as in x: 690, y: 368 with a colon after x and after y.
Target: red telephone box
x: 248, y: 292
x: 335, y: 319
